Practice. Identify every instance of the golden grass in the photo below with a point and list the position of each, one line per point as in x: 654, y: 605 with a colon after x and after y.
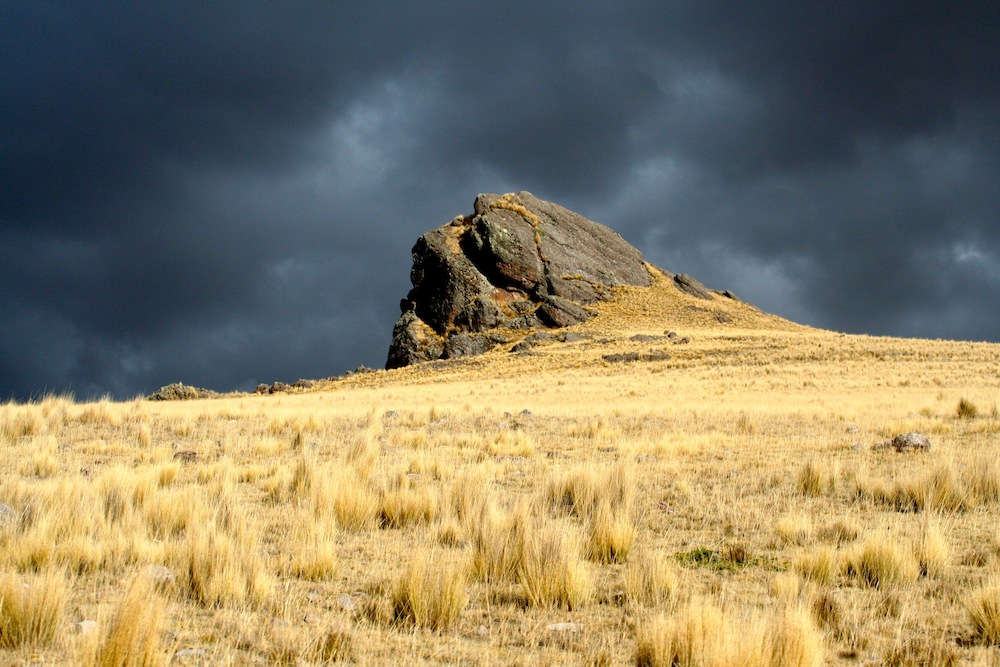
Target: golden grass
x: 735, y: 475
x: 650, y: 580
x: 550, y: 570
x: 431, y: 593
x: 701, y: 635
x: 31, y: 608
x: 881, y: 562
x: 984, y: 611
x: 132, y: 638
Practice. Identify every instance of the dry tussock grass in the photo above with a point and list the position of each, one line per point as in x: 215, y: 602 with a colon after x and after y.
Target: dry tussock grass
x: 31, y: 608
x: 668, y: 507
x: 132, y: 638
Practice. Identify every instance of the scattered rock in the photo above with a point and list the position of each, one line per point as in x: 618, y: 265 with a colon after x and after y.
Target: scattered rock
x: 190, y: 653
x: 671, y: 335
x: 8, y: 517
x: 516, y: 262
x: 729, y: 295
x: 278, y: 387
x: 346, y: 602
x: 572, y: 337
x: 692, y: 287
x: 180, y: 392
x: 304, y: 384
x: 627, y: 357
x: 723, y: 318
x: 186, y: 456
x: 159, y: 575
x: 646, y: 338
x: 646, y: 458
x: 522, y: 348
x: 682, y: 341
x: 911, y: 442
x: 852, y: 429
x: 263, y: 389
x: 906, y: 442
x: 564, y: 627
x: 85, y: 627
x: 312, y: 618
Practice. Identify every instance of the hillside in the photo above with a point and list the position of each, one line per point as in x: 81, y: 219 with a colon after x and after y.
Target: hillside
x: 598, y: 501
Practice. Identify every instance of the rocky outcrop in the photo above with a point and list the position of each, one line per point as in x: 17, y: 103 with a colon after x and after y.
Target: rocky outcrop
x: 517, y: 262
x: 180, y: 392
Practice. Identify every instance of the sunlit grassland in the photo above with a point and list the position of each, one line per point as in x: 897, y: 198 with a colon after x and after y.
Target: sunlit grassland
x: 722, y: 505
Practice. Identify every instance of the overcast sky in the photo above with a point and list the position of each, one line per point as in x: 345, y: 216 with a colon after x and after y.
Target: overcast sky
x: 227, y: 193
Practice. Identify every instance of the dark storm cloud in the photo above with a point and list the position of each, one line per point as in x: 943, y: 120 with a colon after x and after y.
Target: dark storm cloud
x: 227, y: 193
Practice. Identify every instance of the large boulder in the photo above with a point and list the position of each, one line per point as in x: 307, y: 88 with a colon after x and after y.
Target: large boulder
x: 517, y: 262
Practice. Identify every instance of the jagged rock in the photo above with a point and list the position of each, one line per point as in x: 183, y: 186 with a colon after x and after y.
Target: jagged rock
x: 517, y: 262
x: 689, y: 285
x: 464, y: 345
x: 180, y: 392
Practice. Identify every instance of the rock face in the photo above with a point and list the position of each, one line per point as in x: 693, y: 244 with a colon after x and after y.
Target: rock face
x: 516, y: 262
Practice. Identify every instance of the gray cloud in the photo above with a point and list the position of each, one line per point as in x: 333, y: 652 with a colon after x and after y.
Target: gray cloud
x: 226, y: 194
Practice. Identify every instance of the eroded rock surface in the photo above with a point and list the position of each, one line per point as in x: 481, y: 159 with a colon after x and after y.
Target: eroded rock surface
x: 517, y: 262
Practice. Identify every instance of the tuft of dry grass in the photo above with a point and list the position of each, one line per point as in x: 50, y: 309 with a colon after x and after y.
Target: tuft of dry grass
x: 551, y: 572
x: 610, y: 535
x: 313, y: 548
x: 31, y: 608
x: 815, y: 479
x: 819, y: 565
x: 694, y: 637
x: 431, y: 593
x: 498, y: 544
x: 583, y: 491
x: 649, y: 580
x: 881, y: 562
x: 221, y: 570
x: 401, y: 505
x: 984, y: 612
x: 984, y: 479
x: 795, y: 528
x: 335, y: 644
x: 932, y: 550
x: 355, y: 504
x: 133, y: 635
x: 700, y: 635
x: 792, y: 640
x: 966, y: 409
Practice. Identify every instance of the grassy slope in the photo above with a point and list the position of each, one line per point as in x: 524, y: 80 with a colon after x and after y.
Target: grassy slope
x: 746, y: 454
